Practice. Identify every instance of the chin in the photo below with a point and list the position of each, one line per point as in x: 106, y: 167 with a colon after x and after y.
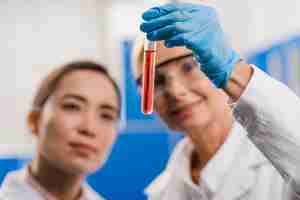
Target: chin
x: 190, y: 124
x: 83, y: 168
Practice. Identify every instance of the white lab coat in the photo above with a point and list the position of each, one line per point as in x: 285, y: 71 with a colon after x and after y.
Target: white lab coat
x: 270, y: 112
x: 16, y: 187
x: 238, y: 171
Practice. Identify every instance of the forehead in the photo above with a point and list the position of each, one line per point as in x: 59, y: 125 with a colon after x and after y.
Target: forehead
x: 164, y: 54
x: 90, y: 84
x: 186, y: 58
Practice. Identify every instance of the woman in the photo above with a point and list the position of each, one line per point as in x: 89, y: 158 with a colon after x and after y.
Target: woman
x: 74, y: 117
x: 215, y: 160
x: 266, y: 108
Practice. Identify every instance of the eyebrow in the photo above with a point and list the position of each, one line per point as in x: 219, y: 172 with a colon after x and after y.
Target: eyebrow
x: 139, y: 79
x: 74, y: 96
x: 82, y: 99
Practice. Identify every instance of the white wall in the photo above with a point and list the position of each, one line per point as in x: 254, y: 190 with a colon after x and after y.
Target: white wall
x: 258, y: 24
x: 36, y: 36
x: 254, y: 24
x: 250, y: 24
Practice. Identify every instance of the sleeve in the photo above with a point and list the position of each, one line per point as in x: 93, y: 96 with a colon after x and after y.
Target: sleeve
x: 269, y: 111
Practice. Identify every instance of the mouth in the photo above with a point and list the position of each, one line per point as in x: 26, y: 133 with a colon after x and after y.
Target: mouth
x: 83, y: 148
x: 183, y: 112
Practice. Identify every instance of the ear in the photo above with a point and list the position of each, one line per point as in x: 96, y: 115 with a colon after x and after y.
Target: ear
x: 32, y: 121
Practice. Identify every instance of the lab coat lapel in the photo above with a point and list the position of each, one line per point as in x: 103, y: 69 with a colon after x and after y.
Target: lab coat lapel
x: 238, y: 185
x: 241, y: 179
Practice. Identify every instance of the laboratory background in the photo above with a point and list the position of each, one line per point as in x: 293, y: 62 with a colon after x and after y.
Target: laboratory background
x: 38, y: 35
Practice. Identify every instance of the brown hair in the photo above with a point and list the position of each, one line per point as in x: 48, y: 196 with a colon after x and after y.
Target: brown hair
x: 50, y: 82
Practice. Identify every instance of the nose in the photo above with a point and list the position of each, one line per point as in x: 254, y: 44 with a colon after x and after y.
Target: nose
x: 88, y: 125
x: 175, y: 89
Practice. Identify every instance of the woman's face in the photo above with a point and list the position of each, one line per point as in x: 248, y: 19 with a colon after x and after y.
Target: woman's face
x: 185, y: 98
x: 77, y: 126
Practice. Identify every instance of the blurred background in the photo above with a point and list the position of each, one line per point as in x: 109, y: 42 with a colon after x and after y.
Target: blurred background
x: 36, y: 36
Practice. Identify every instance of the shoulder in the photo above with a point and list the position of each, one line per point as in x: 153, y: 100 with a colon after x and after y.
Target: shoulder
x: 175, y: 168
x: 14, y: 186
x: 248, y: 153
x: 90, y: 193
x: 251, y: 157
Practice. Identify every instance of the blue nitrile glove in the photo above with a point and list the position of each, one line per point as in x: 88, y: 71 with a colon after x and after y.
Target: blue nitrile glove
x: 197, y: 28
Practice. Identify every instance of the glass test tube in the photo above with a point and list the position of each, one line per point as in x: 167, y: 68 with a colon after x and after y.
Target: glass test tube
x: 148, y: 76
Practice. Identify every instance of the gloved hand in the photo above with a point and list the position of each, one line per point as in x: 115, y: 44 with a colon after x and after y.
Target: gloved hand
x: 197, y: 28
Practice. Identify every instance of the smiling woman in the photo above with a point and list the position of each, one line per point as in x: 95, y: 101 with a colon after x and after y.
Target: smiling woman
x: 198, y: 79
x: 74, y: 117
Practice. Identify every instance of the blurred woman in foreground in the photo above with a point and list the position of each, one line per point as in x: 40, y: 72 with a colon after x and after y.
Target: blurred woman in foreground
x: 74, y: 117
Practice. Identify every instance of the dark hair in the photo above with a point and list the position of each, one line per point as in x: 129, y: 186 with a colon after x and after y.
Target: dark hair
x: 50, y: 82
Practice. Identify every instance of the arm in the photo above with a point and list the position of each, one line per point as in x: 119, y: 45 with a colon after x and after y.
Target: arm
x: 270, y: 112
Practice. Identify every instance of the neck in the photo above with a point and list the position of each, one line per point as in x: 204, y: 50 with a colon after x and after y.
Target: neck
x: 57, y: 182
x: 207, y: 141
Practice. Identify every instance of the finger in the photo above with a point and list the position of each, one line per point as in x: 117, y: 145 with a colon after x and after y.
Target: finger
x: 159, y: 11
x: 179, y: 16
x: 168, y: 32
x: 178, y: 40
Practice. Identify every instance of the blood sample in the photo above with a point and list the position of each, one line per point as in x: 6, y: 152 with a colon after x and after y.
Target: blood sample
x: 148, y: 76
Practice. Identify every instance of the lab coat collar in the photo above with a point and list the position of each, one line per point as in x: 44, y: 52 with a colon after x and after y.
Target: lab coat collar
x: 19, y: 182
x: 218, y: 170
x: 14, y: 187
x: 241, y: 170
x: 178, y: 159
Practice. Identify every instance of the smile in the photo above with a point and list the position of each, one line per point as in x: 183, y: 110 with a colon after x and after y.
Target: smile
x: 184, y: 112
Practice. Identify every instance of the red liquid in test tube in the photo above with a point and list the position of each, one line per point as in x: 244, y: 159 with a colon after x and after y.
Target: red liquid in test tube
x: 148, y: 77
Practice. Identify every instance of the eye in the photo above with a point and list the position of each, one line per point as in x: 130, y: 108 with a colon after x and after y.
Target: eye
x: 139, y: 81
x: 71, y: 107
x: 160, y: 80
x: 187, y: 67
x: 108, y: 117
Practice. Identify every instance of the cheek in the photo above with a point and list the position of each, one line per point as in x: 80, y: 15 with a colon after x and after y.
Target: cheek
x: 204, y: 85
x: 202, y: 88
x: 215, y: 99
x: 106, y: 131
x: 57, y: 128
x: 67, y: 121
x: 111, y: 137
x: 52, y: 141
x: 219, y: 102
x: 107, y: 139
